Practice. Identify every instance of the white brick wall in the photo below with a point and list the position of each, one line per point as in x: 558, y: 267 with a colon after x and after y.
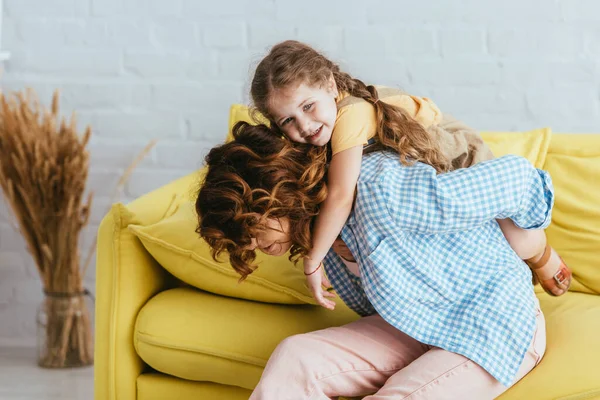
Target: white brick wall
x: 143, y: 69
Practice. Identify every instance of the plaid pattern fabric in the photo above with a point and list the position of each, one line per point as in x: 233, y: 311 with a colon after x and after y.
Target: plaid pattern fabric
x: 434, y: 262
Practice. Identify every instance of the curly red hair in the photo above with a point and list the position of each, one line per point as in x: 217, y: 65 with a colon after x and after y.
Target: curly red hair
x: 259, y: 176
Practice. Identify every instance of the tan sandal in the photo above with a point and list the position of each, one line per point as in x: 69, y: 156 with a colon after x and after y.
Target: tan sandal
x: 560, y: 278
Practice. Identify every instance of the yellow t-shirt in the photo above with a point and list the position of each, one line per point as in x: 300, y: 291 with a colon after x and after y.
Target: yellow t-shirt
x: 355, y: 122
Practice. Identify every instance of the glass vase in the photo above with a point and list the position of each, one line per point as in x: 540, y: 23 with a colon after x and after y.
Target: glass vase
x: 65, y: 330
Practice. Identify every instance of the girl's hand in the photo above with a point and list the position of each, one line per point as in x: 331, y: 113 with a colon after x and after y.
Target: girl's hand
x: 315, y: 283
x: 342, y: 250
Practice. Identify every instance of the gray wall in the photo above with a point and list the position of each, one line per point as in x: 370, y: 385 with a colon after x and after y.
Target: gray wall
x: 137, y: 70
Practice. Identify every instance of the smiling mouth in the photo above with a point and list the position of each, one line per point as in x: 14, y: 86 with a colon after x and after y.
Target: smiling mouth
x: 315, y: 133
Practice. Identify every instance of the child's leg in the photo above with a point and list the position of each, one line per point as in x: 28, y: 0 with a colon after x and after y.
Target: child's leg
x: 442, y: 375
x: 546, y: 264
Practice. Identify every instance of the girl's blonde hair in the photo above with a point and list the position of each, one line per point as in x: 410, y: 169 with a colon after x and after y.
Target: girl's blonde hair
x: 293, y: 63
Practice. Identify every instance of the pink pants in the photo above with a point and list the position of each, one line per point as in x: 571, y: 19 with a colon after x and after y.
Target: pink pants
x: 370, y: 356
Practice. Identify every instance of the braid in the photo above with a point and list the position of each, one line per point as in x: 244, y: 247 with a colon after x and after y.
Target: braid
x: 396, y: 129
x: 292, y: 62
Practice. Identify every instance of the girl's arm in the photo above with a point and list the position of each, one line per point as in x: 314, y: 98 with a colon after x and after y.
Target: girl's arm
x: 341, y: 184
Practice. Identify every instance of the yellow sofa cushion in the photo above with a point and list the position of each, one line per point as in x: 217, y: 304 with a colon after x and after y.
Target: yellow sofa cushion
x: 172, y: 241
x: 574, y: 163
x: 566, y: 371
x: 199, y: 336
x: 153, y: 386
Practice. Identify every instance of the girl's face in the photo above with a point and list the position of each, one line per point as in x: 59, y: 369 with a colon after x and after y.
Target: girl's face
x: 305, y: 114
x: 275, y: 240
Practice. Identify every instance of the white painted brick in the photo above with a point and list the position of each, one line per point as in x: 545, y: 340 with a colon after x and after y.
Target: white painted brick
x: 592, y: 43
x: 474, y: 100
x: 141, y: 97
x: 182, y: 155
x: 21, y: 324
x: 43, y: 33
x: 54, y: 8
x: 88, y: 237
x: 542, y: 40
x: 117, y: 154
x: 388, y: 41
x: 13, y: 267
x: 5, y: 210
x: 176, y: 34
x: 567, y: 102
x: 541, y: 73
x: 501, y: 122
x: 82, y: 96
x: 71, y: 63
x: 100, y: 207
x: 263, y: 36
x: 146, y: 180
x: 158, y: 8
x: 201, y: 10
x: 580, y: 10
x: 375, y: 71
x: 90, y: 33
x: 195, y: 97
x: 462, y: 42
x: 11, y: 240
x: 381, y: 12
x: 210, y: 127
x: 330, y: 39
x: 499, y: 12
x: 203, y: 65
x: 366, y: 41
x: 470, y: 11
x: 235, y: 65
x: 184, y: 97
x: 156, y: 64
x: 412, y: 42
x: 28, y: 291
x: 10, y: 38
x: 224, y: 34
x: 128, y: 32
x: 315, y: 11
x: 230, y: 10
x: 7, y: 293
x: 105, y: 8
x: 456, y: 73
x: 136, y: 8
x: 137, y: 125
x: 100, y: 179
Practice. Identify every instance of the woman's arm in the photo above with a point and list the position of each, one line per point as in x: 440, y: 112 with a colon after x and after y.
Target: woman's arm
x: 507, y: 187
x: 341, y: 184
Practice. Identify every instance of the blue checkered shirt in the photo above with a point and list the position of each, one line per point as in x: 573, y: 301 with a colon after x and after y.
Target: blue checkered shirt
x: 433, y: 261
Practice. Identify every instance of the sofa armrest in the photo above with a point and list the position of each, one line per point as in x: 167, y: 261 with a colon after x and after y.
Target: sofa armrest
x: 126, y: 278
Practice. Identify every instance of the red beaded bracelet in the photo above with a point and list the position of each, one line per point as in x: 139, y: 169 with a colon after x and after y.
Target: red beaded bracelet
x: 316, y: 269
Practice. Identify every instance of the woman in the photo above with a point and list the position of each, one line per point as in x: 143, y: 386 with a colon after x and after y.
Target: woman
x: 449, y: 309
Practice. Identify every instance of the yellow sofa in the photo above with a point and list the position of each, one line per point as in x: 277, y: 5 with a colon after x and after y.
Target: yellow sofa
x: 160, y: 338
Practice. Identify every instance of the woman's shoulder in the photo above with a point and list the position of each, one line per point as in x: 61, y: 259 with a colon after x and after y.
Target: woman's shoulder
x: 382, y: 166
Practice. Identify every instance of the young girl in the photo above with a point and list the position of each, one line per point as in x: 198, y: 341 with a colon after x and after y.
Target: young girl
x: 308, y: 99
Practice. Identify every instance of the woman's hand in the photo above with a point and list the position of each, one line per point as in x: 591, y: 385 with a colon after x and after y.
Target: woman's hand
x: 315, y: 280
x: 342, y: 250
